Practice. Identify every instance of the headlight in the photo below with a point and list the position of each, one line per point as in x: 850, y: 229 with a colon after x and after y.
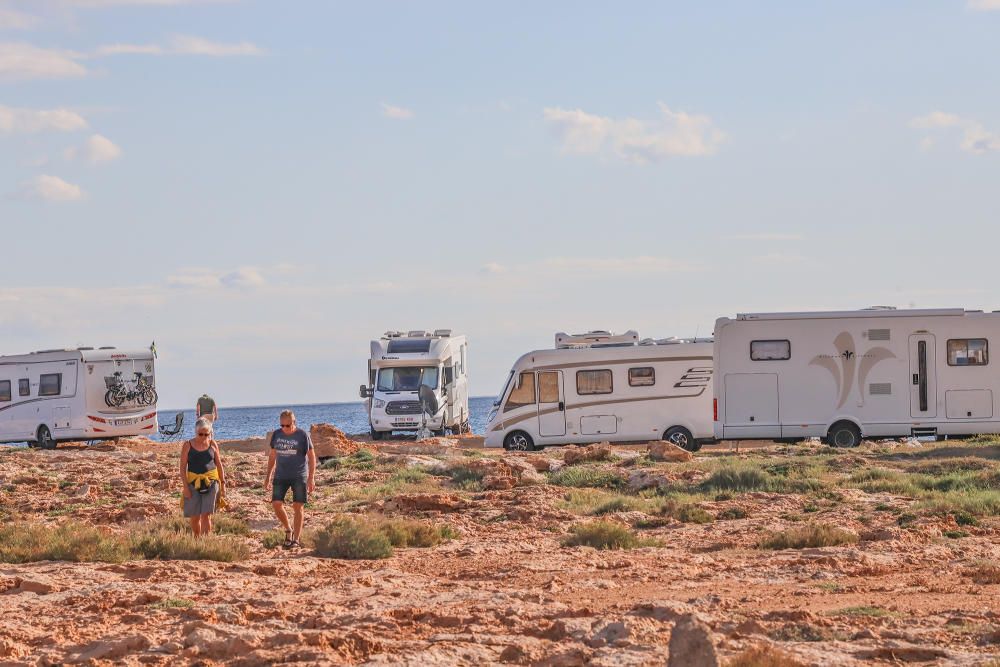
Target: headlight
x: 379, y: 403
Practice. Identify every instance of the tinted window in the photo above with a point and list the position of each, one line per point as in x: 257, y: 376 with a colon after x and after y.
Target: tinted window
x: 548, y: 387
x: 409, y: 346
x: 770, y: 350
x: 523, y: 393
x: 968, y: 352
x: 407, y: 379
x: 50, y: 384
x: 641, y: 377
x: 593, y: 382
x: 23, y: 387
x: 4, y: 391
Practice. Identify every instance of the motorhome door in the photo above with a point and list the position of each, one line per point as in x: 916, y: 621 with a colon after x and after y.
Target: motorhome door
x: 551, y: 404
x: 923, y: 385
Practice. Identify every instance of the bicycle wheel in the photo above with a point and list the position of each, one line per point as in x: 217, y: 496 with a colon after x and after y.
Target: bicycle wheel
x: 149, y: 396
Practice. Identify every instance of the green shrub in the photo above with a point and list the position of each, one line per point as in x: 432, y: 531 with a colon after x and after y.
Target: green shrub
x: 745, y: 476
x: 808, y: 536
x: 605, y: 535
x: 582, y: 476
x: 363, y: 459
x: 162, y: 542
x: 685, y: 512
x: 955, y: 534
x: 173, y: 603
x: 273, y: 539
x: 974, y: 503
x: 70, y: 541
x: 410, y: 533
x: 731, y: 513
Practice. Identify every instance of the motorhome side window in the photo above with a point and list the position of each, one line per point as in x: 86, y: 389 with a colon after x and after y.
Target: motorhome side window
x: 641, y: 377
x: 968, y: 352
x: 593, y: 382
x: 50, y: 384
x: 523, y: 392
x: 770, y: 350
x: 24, y: 387
x: 5, y: 391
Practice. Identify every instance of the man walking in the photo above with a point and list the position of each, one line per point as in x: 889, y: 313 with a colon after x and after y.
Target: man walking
x: 206, y: 408
x: 291, y: 464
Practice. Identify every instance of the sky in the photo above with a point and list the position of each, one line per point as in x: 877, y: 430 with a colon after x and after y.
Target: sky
x: 263, y: 187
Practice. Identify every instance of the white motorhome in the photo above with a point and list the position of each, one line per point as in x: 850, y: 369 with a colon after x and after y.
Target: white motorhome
x: 400, y: 363
x: 841, y: 376
x: 598, y: 387
x: 83, y: 394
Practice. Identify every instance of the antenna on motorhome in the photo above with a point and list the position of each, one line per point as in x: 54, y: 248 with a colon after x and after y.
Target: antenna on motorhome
x: 428, y: 407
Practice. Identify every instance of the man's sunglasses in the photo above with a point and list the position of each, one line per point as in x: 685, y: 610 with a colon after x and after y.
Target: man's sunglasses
x: 287, y: 425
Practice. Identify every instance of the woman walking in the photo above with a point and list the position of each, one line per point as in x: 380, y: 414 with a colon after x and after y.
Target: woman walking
x: 202, y: 476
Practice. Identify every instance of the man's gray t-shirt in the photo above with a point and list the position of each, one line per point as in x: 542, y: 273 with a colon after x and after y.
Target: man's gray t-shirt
x: 290, y: 454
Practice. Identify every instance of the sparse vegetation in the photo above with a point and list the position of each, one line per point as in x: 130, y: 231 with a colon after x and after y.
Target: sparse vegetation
x: 861, y: 611
x: 808, y: 536
x: 605, y: 535
x: 363, y: 459
x: 70, y: 541
x: 731, y: 513
x: 173, y: 603
x: 685, y: 512
x: 584, y: 476
x: 985, y: 572
x: 162, y: 541
x: 273, y: 539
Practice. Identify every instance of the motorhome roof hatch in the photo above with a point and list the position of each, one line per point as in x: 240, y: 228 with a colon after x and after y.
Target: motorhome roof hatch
x: 596, y: 338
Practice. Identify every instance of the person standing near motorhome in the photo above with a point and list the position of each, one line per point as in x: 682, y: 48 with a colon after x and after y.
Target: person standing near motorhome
x: 203, y: 478
x: 291, y: 464
x: 206, y: 408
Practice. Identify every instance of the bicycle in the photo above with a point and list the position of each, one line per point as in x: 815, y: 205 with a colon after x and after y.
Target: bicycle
x: 119, y: 392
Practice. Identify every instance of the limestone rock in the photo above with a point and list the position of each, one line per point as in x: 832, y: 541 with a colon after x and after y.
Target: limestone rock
x: 597, y: 452
x: 425, y: 502
x: 113, y: 649
x: 691, y: 644
x: 662, y: 450
x: 331, y: 441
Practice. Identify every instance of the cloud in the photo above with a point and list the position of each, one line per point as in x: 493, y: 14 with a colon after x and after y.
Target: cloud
x: 984, y: 5
x: 11, y: 19
x: 673, y: 133
x: 764, y: 236
x: 21, y: 62
x: 183, y: 45
x: 141, y: 3
x: 974, y: 137
x: 96, y: 150
x: 779, y: 258
x: 200, y: 278
x: 26, y: 121
x: 50, y: 188
x: 604, y: 265
x: 493, y: 268
x: 397, y: 113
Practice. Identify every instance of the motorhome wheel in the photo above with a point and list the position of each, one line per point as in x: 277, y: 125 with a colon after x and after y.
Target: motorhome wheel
x: 376, y: 435
x: 45, y: 440
x: 682, y: 437
x: 844, y: 434
x: 518, y: 441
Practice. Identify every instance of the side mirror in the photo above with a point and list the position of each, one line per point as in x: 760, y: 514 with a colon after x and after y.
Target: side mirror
x: 365, y: 391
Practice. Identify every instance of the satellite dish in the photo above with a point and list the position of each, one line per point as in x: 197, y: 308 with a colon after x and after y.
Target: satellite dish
x: 428, y: 400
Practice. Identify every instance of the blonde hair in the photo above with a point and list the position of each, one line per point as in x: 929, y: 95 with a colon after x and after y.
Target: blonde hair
x: 287, y: 413
x: 204, y: 423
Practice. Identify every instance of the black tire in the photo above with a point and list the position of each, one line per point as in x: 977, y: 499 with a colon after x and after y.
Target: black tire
x: 149, y: 396
x: 680, y: 436
x: 376, y: 435
x: 518, y: 441
x: 844, y: 434
x: 44, y: 439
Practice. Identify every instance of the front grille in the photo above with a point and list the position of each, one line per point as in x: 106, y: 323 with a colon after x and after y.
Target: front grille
x: 402, y: 408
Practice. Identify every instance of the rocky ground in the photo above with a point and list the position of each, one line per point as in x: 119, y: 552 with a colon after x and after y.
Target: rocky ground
x: 912, y: 573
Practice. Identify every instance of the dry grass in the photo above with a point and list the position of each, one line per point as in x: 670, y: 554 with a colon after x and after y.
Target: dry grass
x: 70, y: 541
x: 606, y: 535
x: 985, y: 572
x: 163, y: 541
x: 763, y: 656
x: 685, y: 512
x: 809, y: 536
x: 585, y: 476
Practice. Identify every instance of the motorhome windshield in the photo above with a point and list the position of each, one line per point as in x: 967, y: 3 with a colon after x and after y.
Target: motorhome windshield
x: 496, y: 401
x: 407, y: 379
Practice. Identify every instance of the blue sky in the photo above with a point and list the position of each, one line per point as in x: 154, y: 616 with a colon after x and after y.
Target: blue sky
x: 262, y: 187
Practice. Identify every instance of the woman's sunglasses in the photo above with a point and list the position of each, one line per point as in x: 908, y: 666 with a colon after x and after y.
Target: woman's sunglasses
x: 204, y: 435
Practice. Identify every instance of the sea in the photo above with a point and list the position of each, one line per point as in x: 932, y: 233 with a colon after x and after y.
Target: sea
x: 351, y: 418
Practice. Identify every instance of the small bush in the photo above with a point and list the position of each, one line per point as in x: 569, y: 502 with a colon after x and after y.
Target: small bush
x: 352, y: 540
x: 620, y: 504
x: 861, y: 612
x: 808, y: 536
x: 582, y: 476
x: 70, y: 541
x: 763, y: 656
x: 955, y: 534
x: 685, y: 512
x: 173, y: 603
x: 463, y: 474
x: 605, y: 535
x: 906, y: 519
x: 985, y: 572
x: 965, y: 519
x: 370, y: 538
x: 731, y: 513
x: 362, y: 459
x: 273, y: 539
x: 975, y: 503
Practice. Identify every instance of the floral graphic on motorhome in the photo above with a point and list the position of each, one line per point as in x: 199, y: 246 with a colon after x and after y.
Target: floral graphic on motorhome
x: 847, y: 362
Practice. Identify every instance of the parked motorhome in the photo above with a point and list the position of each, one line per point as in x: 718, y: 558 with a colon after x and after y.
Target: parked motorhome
x: 400, y: 364
x: 83, y: 394
x: 598, y: 386
x: 841, y: 376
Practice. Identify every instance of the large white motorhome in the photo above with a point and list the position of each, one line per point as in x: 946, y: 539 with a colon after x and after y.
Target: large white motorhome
x: 598, y: 387
x: 841, y: 376
x: 83, y: 394
x: 400, y: 363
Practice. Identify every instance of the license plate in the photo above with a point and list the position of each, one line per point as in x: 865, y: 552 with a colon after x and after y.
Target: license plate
x: 406, y: 420
x: 127, y: 422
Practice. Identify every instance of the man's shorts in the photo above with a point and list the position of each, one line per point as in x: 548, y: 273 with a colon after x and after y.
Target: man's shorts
x: 201, y: 503
x: 298, y: 487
